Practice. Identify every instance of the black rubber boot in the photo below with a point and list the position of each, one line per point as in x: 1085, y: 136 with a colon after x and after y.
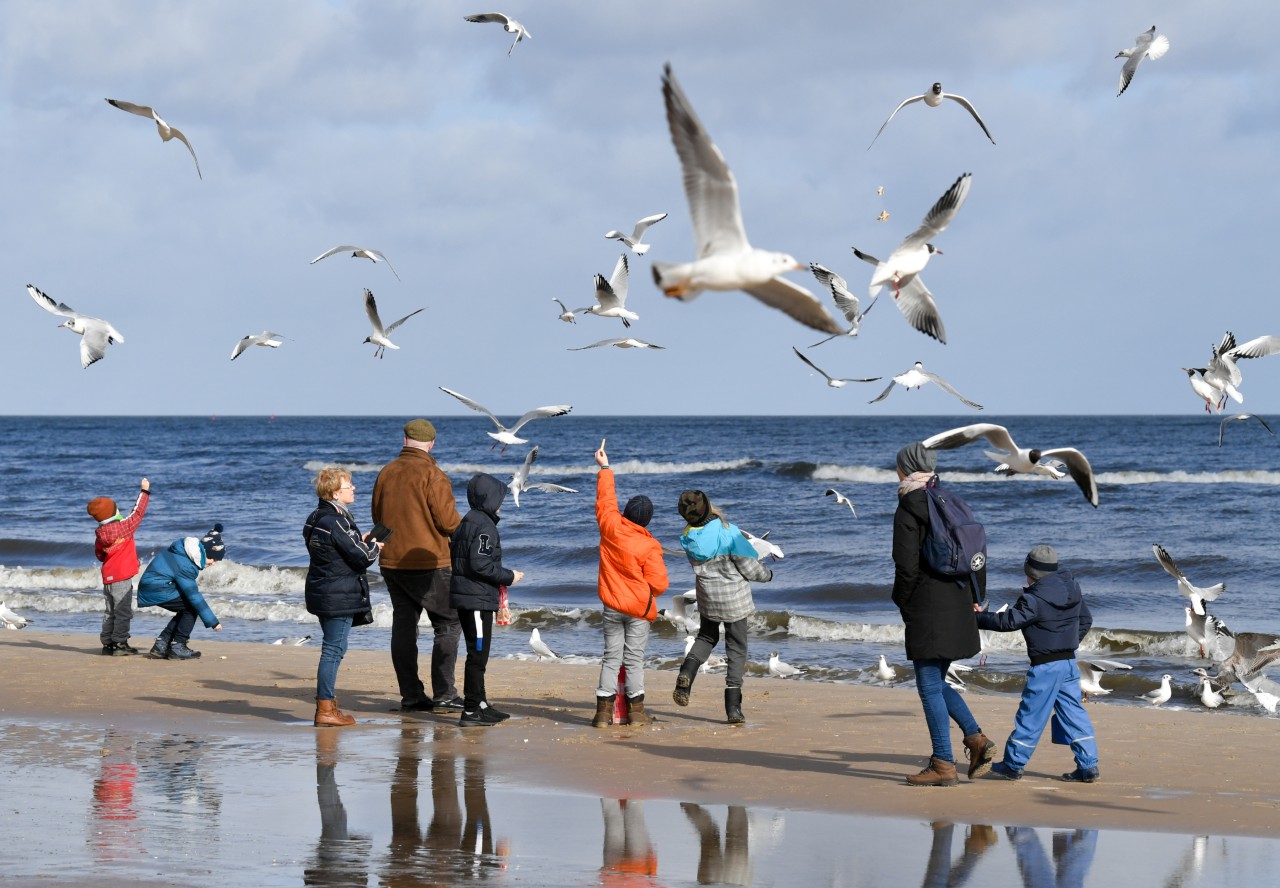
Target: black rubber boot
x: 684, y: 681
x: 733, y: 706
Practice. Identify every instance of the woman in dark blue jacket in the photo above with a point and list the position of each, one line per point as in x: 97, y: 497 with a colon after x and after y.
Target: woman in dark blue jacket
x: 337, y: 588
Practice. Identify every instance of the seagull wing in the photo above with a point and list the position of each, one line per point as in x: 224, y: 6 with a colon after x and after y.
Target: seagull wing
x: 709, y: 185
x: 390, y: 329
x: 884, y: 394
x: 1126, y: 73
x: 947, y: 387
x: 61, y: 309
x: 919, y: 308
x: 486, y: 17
x: 940, y: 214
x: 596, y: 344
x: 241, y: 346
x: 1078, y: 465
x: 563, y: 308
x: 378, y: 256
x: 93, y: 345
x: 474, y: 406
x: 618, y: 280
x: 904, y: 104
x: 371, y: 309
x: 1256, y: 348
x: 968, y: 106
x: 998, y: 435
x: 1167, y: 562
x: 549, y: 488
x: 839, y: 287
x: 327, y: 253
x: 801, y: 356
x: 540, y: 413
x: 643, y: 225
x: 521, y: 475
x: 796, y: 301
x: 177, y: 134
x: 140, y: 110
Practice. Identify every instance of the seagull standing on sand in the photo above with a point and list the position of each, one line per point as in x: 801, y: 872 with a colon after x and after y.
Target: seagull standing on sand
x: 1197, y: 595
x: 358, y: 253
x: 540, y: 647
x: 780, y: 669
x: 726, y: 260
x: 933, y: 98
x: 845, y: 301
x: 841, y: 499
x: 166, y: 132
x: 1021, y: 460
x: 297, y: 641
x: 918, y: 376
x: 634, y: 240
x: 510, y: 25
x: 1091, y: 672
x: 625, y: 342
x: 265, y: 338
x: 1209, y: 695
x: 1161, y: 694
x: 831, y: 381
x: 520, y: 480
x: 379, y: 335
x: 1241, y: 417
x: 1146, y: 46
x: 884, y: 671
x: 507, y: 436
x: 565, y: 314
x: 97, y: 334
x: 10, y: 619
x: 611, y: 295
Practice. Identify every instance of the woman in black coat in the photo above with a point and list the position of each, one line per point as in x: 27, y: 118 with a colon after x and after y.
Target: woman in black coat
x: 337, y: 588
x: 938, y: 614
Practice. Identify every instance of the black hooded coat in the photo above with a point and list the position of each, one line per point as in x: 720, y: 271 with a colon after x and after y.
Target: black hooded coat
x: 475, y: 550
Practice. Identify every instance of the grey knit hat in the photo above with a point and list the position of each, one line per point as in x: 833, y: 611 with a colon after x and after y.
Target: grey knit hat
x: 916, y: 458
x: 1041, y: 561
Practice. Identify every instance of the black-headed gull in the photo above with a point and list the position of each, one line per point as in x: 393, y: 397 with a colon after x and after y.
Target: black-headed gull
x: 683, y: 612
x: 764, y: 548
x: 373, y: 256
x: 953, y: 676
x: 1091, y: 673
x: 507, y: 436
x: 780, y: 669
x: 1223, y: 373
x: 915, y: 302
x: 1209, y: 695
x: 166, y: 132
x: 831, y: 381
x: 1147, y: 45
x: 622, y: 342
x: 933, y: 98
x: 918, y: 376
x: 884, y: 671
x: 540, y: 647
x: 1161, y: 694
x: 566, y: 314
x: 637, y: 233
x: 1241, y: 417
x: 611, y: 295
x: 911, y: 256
x: 265, y: 338
x: 379, y: 336
x: 510, y: 25
x: 1197, y: 595
x: 295, y: 641
x: 10, y: 619
x: 726, y: 260
x: 520, y: 479
x: 96, y: 334
x: 1020, y: 460
x: 1205, y: 391
x: 845, y: 301
x: 714, y: 661
x: 841, y: 499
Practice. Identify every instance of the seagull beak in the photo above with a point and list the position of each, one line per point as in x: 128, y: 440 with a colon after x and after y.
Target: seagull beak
x: 799, y: 266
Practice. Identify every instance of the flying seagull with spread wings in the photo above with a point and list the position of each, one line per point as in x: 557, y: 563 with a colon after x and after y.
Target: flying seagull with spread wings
x: 1021, y: 460
x: 933, y: 98
x: 166, y: 132
x: 507, y: 436
x: 379, y: 336
x: 96, y: 333
x: 357, y: 253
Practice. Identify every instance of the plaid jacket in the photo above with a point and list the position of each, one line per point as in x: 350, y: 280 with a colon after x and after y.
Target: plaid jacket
x: 113, y: 543
x: 723, y: 581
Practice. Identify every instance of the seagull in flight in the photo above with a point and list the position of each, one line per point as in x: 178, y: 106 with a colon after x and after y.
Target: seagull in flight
x: 831, y: 381
x: 1021, y: 460
x: 915, y: 302
x: 1241, y: 417
x: 507, y: 436
x: 166, y: 132
x: 1222, y: 372
x: 933, y: 98
x: 626, y: 342
x: 510, y: 25
x: 780, y: 669
x: 764, y: 548
x: 683, y: 612
x: 520, y: 480
x: 565, y: 314
x: 637, y: 233
x: 1197, y: 595
x: 1091, y: 672
x: 357, y: 253
x: 265, y: 338
x: 726, y: 260
x: 611, y: 295
x: 539, y: 646
x: 1147, y: 45
x: 918, y: 376
x: 841, y: 499
x: 97, y: 334
x: 379, y: 336
x: 909, y: 258
x: 1206, y: 391
x: 845, y: 301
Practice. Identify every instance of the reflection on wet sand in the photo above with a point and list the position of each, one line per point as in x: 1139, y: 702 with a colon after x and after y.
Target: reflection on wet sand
x: 114, y: 830
x: 1072, y: 856
x: 732, y: 865
x: 941, y: 872
x: 340, y: 858
x: 630, y: 859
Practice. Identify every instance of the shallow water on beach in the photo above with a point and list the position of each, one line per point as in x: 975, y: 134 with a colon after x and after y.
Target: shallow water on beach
x: 414, y: 806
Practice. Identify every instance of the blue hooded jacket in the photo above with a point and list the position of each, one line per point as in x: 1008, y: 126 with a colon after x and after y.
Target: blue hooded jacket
x: 171, y: 577
x: 715, y: 538
x: 1051, y: 614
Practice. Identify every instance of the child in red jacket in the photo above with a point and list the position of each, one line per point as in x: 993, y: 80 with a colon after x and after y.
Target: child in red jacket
x: 113, y: 544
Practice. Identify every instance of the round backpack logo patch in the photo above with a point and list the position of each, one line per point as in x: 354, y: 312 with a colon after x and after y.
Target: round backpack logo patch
x: 978, y: 562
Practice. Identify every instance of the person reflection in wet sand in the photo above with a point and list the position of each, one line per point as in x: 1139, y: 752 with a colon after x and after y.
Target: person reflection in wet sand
x: 458, y: 844
x: 1072, y: 856
x: 115, y: 832
x: 732, y: 866
x: 340, y: 857
x: 629, y: 856
x: 941, y: 872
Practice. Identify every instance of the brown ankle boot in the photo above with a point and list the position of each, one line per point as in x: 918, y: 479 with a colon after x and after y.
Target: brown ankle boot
x: 604, y: 712
x: 938, y: 773
x: 635, y: 711
x: 328, y: 715
x: 980, y: 750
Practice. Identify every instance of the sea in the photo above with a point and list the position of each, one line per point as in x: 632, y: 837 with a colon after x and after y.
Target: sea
x: 1161, y: 479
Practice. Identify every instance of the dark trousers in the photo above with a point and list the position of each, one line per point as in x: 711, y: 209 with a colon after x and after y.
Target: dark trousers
x: 412, y: 592
x: 735, y: 647
x: 184, y: 620
x: 477, y: 629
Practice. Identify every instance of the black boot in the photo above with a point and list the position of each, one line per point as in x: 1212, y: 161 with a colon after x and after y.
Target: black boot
x: 733, y: 706
x: 159, y: 650
x: 684, y: 681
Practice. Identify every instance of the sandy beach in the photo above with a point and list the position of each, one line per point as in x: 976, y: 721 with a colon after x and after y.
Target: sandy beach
x: 807, y: 746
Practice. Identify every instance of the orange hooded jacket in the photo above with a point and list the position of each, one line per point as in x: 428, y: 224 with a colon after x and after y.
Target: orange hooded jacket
x: 632, y: 573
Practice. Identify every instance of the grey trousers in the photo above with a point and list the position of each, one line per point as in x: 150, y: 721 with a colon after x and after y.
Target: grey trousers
x: 624, y: 643
x: 735, y: 647
x: 118, y: 615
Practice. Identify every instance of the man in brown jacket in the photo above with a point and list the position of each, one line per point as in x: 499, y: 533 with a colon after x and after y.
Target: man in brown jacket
x: 414, y: 499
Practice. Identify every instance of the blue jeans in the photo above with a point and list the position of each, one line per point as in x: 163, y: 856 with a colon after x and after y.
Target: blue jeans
x: 941, y: 705
x: 624, y: 643
x: 336, y: 631
x: 1051, y: 688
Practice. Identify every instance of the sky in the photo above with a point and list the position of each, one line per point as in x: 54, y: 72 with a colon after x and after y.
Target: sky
x: 1105, y: 244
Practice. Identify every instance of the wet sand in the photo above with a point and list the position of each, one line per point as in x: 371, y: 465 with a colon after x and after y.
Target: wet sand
x: 807, y: 746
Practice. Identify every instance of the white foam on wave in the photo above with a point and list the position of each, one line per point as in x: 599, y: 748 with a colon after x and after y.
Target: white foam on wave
x: 620, y: 467
x: 243, y: 579
x: 859, y: 474
x: 355, y: 468
x: 72, y: 579
x: 1230, y: 477
x: 829, y: 630
x: 875, y: 475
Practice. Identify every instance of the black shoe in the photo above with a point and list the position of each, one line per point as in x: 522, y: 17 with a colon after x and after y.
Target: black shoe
x: 457, y: 704
x: 733, y: 706
x: 159, y: 650
x: 1082, y: 775
x: 179, y: 651
x: 108, y: 649
x: 684, y: 681
x: 477, y: 718
x: 124, y: 649
x: 494, y: 713
x: 419, y: 706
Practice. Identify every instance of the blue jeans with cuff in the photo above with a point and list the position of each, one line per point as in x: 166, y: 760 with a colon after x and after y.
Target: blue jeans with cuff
x: 942, y: 704
x: 336, y: 632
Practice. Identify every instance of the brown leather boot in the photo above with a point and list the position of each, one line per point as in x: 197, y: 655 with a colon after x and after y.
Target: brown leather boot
x: 980, y: 750
x: 938, y: 773
x: 635, y: 711
x: 604, y: 712
x: 328, y: 715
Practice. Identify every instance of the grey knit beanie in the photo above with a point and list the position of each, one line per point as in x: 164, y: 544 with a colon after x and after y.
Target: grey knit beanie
x: 1041, y: 561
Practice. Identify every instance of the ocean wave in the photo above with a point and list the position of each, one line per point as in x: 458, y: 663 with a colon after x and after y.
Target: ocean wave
x: 355, y: 468
x: 228, y: 577
x: 877, y: 475
x: 71, y: 579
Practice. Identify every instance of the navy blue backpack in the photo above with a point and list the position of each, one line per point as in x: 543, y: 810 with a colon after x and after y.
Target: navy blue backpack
x: 956, y: 543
